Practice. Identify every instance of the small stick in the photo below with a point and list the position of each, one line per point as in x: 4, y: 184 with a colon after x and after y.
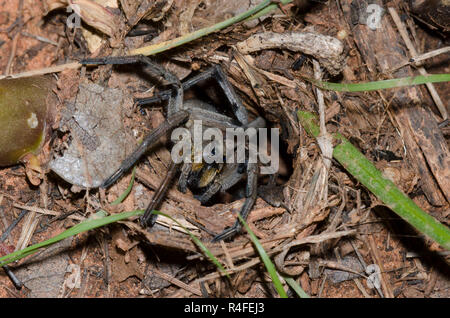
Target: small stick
x: 412, y: 50
x: 177, y: 282
x: 227, y: 255
x: 431, y: 283
x: 361, y: 288
x: 376, y: 256
x: 13, y: 53
x: 416, y: 60
x: 201, y: 227
x: 16, y: 281
x: 429, y: 55
x: 46, y: 70
x: 49, y: 212
x: 12, y: 225
x: 16, y: 37
x: 2, y: 213
x: 322, y: 284
x: 39, y: 38
x: 107, y: 263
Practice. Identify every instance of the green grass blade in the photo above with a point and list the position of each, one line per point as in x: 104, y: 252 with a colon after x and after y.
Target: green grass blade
x: 198, y: 243
x: 96, y: 221
x: 167, y: 45
x: 127, y: 190
x: 391, y: 83
x: 267, y: 9
x: 193, y: 237
x: 266, y: 260
x: 296, y: 287
x: 366, y: 173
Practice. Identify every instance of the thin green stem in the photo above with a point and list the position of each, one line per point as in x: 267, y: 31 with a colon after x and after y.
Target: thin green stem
x: 127, y: 191
x: 296, y: 287
x: 252, y: 13
x: 96, y: 221
x: 266, y: 260
x: 366, y: 173
x: 391, y: 83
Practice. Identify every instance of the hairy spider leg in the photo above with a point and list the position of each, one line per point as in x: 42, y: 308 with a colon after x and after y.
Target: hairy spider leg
x: 169, y: 124
x: 214, y: 72
x: 175, y: 96
x: 177, y: 116
x: 210, y: 119
x: 148, y: 218
x: 232, y: 173
x: 251, y: 195
x: 251, y: 189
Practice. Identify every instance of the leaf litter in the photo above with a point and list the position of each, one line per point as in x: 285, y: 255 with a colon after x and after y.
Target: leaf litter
x: 278, y: 92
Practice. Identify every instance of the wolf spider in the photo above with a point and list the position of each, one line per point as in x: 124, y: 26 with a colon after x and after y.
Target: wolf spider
x: 211, y: 179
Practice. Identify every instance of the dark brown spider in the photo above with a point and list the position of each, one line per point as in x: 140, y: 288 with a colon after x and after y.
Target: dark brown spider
x: 209, y: 177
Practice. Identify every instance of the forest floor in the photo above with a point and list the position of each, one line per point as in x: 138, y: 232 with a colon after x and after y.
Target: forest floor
x: 401, y: 131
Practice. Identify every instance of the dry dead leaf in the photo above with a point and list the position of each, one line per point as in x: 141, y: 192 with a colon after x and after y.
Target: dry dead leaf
x: 153, y: 10
x: 98, y: 135
x: 91, y: 12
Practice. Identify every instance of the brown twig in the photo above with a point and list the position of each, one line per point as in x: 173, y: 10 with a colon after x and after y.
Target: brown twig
x: 177, y: 282
x: 376, y: 256
x: 431, y: 283
x: 17, y: 283
x: 412, y: 50
x: 45, y: 70
x: 19, y: 23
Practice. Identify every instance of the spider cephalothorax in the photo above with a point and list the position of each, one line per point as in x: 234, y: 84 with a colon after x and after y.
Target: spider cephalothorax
x: 206, y: 179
